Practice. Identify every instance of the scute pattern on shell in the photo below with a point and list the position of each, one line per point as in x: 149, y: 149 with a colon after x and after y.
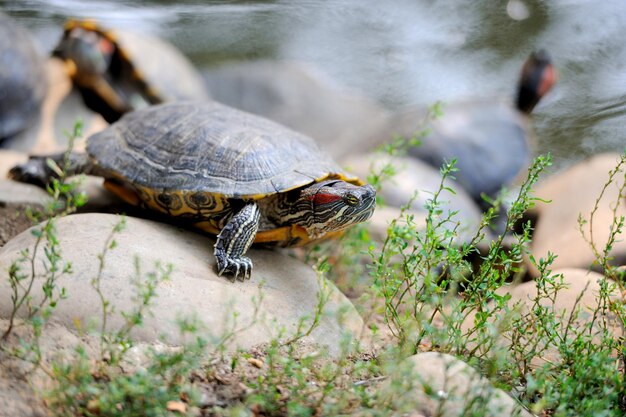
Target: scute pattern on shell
x: 207, y: 146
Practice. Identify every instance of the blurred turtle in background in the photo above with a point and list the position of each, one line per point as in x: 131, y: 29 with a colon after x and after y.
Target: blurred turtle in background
x: 118, y: 71
x: 22, y: 81
x: 490, y: 139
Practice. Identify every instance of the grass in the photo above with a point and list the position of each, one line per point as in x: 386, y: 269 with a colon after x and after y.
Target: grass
x: 423, y: 293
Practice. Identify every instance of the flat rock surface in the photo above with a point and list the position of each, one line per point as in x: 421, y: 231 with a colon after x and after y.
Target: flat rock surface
x: 285, y: 288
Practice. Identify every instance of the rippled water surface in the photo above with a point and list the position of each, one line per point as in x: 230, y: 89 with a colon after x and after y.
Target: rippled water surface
x: 402, y: 52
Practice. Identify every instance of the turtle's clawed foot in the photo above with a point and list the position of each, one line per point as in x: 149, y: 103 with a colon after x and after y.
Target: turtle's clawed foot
x: 240, y: 268
x: 234, y: 240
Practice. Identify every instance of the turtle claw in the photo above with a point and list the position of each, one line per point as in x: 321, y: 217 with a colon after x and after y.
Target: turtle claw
x: 233, y: 242
x: 32, y: 172
x: 240, y: 268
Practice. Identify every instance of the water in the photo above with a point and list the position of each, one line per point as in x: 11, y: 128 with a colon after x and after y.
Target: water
x: 402, y: 52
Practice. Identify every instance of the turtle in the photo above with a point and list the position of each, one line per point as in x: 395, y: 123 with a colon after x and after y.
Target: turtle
x: 490, y: 139
x: 236, y: 175
x: 22, y: 79
x: 117, y: 71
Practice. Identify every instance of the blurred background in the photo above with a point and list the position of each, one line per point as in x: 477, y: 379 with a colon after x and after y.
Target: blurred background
x: 400, y: 53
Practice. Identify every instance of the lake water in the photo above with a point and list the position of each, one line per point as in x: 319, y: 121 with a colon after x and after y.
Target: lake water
x: 402, y: 52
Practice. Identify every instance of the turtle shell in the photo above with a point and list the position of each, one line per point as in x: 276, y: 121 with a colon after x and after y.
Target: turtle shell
x: 144, y: 70
x: 212, y: 148
x: 22, y: 78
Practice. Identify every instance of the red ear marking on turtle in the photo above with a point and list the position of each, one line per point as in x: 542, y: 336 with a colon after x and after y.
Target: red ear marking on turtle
x: 548, y: 78
x: 106, y: 46
x: 321, y: 198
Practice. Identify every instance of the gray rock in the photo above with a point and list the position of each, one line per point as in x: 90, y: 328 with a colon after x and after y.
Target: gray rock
x: 490, y: 140
x: 302, y: 99
x: 439, y: 384
x: 287, y: 287
x: 571, y: 193
x: 22, y: 81
x: 12, y: 192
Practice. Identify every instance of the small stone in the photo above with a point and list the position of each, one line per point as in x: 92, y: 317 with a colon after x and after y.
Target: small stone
x: 177, y: 406
x: 256, y: 362
x: 439, y: 384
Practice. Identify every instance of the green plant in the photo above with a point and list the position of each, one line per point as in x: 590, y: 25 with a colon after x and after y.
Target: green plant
x: 24, y: 273
x: 432, y: 298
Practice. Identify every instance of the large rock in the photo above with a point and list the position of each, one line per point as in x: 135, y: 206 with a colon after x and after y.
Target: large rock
x: 301, y: 99
x: 286, y: 288
x: 572, y: 193
x: 439, y: 384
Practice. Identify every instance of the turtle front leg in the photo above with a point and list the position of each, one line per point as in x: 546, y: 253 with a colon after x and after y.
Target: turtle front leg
x: 234, y: 240
x: 37, y: 171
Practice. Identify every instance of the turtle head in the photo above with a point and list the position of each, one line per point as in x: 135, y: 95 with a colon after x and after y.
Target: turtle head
x: 537, y: 78
x: 89, y: 53
x: 335, y: 205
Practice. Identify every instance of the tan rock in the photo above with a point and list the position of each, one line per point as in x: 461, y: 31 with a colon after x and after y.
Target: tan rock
x: 439, y: 384
x: 284, y: 288
x: 571, y: 193
x: 10, y: 158
x: 61, y: 108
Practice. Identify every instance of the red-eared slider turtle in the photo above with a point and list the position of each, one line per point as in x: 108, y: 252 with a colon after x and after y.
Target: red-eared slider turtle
x: 236, y: 175
x: 118, y: 71
x: 490, y: 139
x: 22, y: 79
